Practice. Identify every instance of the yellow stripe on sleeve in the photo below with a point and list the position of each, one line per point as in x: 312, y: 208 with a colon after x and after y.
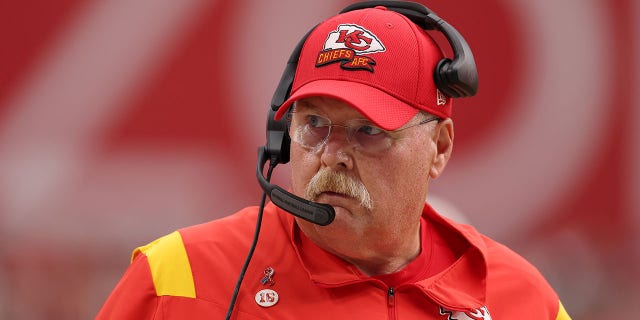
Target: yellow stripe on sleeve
x: 562, y: 313
x: 170, y: 268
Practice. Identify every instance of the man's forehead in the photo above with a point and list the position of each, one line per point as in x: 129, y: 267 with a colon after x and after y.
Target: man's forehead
x: 326, y: 104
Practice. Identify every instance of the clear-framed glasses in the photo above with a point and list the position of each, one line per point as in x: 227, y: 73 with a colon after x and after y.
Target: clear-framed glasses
x: 312, y: 131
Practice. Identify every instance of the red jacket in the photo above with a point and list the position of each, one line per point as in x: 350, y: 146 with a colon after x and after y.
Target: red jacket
x: 191, y: 274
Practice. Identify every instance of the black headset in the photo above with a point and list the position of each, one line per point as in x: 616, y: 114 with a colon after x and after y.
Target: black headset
x: 456, y: 78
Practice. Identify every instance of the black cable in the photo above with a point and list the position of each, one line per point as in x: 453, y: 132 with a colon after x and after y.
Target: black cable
x: 272, y: 165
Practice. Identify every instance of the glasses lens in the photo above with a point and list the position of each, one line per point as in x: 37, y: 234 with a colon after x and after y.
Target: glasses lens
x: 368, y: 137
x: 312, y: 131
x: 309, y: 130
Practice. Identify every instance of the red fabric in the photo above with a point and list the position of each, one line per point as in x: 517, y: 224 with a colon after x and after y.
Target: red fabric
x: 434, y: 257
x: 313, y: 284
x: 134, y: 297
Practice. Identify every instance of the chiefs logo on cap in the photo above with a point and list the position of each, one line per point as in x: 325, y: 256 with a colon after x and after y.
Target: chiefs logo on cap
x: 347, y: 45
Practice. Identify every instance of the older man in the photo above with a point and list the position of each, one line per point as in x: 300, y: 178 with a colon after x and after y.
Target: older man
x: 370, y: 127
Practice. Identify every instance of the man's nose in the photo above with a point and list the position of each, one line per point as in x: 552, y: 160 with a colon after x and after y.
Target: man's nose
x: 337, y: 150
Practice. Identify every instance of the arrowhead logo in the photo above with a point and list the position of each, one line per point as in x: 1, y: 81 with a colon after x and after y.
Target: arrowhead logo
x: 355, y: 37
x: 347, y: 45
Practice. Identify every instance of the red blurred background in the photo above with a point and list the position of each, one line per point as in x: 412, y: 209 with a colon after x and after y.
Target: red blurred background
x: 121, y: 121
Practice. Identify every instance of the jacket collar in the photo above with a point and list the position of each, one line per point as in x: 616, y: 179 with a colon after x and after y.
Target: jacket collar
x: 461, y: 286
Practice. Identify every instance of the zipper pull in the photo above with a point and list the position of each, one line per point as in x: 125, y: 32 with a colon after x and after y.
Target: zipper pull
x: 391, y: 297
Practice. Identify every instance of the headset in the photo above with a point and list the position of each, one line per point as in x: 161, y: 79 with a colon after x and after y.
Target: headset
x: 456, y: 78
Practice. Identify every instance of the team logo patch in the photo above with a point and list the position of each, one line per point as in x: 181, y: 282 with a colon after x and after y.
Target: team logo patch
x: 478, y: 314
x: 350, y: 44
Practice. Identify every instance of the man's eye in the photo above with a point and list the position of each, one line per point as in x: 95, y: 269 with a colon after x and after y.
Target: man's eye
x: 370, y: 130
x: 316, y: 121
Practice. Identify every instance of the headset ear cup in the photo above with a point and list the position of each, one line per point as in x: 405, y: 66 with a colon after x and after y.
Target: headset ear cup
x: 455, y: 78
x: 278, y: 140
x: 440, y: 77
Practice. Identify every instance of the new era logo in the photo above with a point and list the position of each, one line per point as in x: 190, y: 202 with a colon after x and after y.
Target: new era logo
x: 441, y: 98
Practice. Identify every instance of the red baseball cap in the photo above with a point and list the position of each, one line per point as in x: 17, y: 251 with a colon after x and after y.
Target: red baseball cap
x: 375, y: 60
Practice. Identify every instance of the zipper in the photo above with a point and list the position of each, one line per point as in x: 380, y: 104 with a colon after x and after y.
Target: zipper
x: 391, y: 303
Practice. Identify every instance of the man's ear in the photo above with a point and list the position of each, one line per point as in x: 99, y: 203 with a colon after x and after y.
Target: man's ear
x: 443, y: 139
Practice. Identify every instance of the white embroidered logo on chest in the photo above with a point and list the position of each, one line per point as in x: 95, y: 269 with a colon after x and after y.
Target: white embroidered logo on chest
x: 478, y: 314
x: 266, y: 298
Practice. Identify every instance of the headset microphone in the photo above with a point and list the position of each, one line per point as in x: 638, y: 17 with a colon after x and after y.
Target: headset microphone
x: 277, y: 150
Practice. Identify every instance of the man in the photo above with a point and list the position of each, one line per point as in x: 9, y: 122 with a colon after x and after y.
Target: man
x: 370, y: 128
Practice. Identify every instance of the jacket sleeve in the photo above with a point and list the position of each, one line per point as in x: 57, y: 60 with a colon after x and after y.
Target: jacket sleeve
x: 158, y: 269
x: 134, y: 297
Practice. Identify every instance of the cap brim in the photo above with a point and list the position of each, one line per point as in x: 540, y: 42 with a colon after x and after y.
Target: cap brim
x: 382, y: 109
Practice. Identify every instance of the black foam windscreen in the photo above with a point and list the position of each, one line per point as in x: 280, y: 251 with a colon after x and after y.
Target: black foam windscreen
x: 318, y: 213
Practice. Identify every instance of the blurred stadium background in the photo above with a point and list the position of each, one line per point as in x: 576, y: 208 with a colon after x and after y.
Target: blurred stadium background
x: 121, y: 121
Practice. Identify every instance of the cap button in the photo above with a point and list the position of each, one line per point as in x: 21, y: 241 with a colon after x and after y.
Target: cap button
x: 381, y: 7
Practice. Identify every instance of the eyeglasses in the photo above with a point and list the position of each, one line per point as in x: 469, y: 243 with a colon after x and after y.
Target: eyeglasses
x: 312, y: 131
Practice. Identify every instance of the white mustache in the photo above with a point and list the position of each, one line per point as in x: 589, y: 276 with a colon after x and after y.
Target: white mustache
x: 327, y: 180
